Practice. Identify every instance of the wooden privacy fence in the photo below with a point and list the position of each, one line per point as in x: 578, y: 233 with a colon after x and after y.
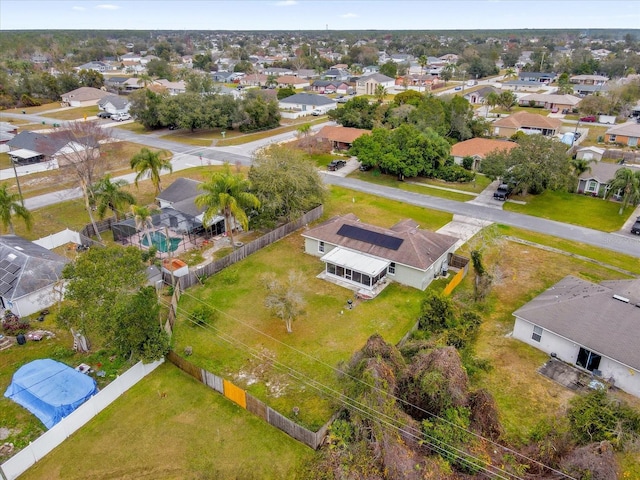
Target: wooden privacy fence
x: 456, y: 261
x: 250, y: 403
x: 244, y: 251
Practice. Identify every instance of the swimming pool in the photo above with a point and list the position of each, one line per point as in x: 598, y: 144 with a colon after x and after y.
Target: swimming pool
x: 159, y: 239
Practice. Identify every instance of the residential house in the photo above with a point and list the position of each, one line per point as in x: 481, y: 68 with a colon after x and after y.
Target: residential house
x: 401, y: 58
x: 336, y: 74
x: 591, y: 326
x: 114, y: 104
x: 368, y: 84
x: 174, y: 88
x: 595, y: 181
x: 32, y: 147
x: 529, y: 123
x: 365, y: 256
x: 600, y: 53
x: 341, y: 138
x: 478, y: 149
x: 305, y: 103
x: 450, y: 58
x: 101, y: 67
x: 83, y: 97
x: 277, y: 72
x: 329, y: 86
x: 550, y: 102
x: 370, y: 69
x: 133, y: 84
x: 584, y: 89
x: 115, y: 83
x: 30, y: 276
x: 308, y: 73
x: 254, y: 80
x: 589, y: 79
x: 291, y: 81
x: 480, y: 96
x: 227, y: 77
x: 521, y: 85
x: 424, y: 81
x: 540, y: 77
x: 626, y: 134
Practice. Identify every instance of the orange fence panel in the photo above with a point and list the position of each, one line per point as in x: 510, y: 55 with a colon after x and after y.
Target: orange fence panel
x: 235, y: 394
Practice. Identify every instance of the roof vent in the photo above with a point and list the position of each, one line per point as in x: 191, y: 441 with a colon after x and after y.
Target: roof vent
x: 621, y: 298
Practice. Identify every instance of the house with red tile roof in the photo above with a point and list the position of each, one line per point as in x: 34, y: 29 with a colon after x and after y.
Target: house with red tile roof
x: 478, y: 149
x: 529, y: 123
x: 341, y: 138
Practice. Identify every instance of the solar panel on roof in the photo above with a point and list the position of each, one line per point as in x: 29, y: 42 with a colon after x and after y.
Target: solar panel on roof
x: 375, y: 238
x: 4, y: 264
x: 13, y: 268
x: 9, y: 278
x: 4, y: 288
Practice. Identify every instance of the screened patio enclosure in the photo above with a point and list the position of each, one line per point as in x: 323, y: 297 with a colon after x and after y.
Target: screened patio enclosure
x: 356, y: 268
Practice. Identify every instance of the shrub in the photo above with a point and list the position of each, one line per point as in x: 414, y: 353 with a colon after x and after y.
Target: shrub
x: 467, y: 163
x: 454, y: 173
x: 203, y: 315
x: 13, y: 325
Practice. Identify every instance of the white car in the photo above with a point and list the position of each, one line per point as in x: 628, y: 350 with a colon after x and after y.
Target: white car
x: 316, y: 112
x: 119, y: 117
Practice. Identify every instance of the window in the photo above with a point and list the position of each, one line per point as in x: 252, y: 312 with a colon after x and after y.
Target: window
x: 392, y: 268
x: 537, y: 333
x: 588, y: 360
x: 612, y: 138
x: 321, y: 247
x: 592, y: 186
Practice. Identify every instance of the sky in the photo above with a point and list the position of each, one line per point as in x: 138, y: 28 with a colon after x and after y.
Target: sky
x: 316, y: 15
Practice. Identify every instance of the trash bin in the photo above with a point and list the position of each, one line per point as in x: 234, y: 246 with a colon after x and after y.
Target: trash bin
x: 21, y: 339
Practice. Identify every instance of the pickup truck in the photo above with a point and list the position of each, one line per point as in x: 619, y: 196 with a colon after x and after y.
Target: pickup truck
x: 636, y: 227
x: 503, y: 192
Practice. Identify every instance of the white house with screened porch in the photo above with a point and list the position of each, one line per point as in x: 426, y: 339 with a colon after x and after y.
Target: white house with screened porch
x: 365, y: 256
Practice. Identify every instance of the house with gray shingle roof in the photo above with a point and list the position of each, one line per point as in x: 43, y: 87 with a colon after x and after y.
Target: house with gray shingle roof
x: 306, y: 103
x: 595, y: 327
x: 83, y: 96
x: 28, y: 275
x: 114, y: 104
x: 363, y: 256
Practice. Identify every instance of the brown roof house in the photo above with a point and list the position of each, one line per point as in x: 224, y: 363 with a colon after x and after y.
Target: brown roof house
x: 550, y: 102
x: 526, y: 122
x: 478, y: 149
x: 341, y: 138
x: 83, y: 96
x: 364, y: 257
x: 626, y: 134
x: 595, y: 327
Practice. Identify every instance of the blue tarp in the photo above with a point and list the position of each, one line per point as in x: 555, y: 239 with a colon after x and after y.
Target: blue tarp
x: 50, y: 390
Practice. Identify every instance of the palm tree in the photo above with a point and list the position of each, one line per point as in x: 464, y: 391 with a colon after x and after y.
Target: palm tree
x: 628, y: 182
x: 580, y: 165
x: 144, y: 79
x: 143, y: 219
x: 146, y: 162
x: 228, y: 193
x: 380, y: 93
x: 108, y: 194
x: 509, y: 72
x: 10, y: 205
x: 423, y: 61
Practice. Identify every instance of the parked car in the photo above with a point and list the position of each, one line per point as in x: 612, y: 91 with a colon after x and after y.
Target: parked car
x: 104, y: 114
x: 503, y: 192
x: 316, y: 111
x: 336, y: 165
x: 365, y: 168
x: 636, y: 227
x: 588, y: 118
x: 119, y: 117
x: 458, y: 88
x: 342, y: 99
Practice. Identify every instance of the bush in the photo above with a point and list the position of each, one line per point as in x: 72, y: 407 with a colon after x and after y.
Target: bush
x: 203, y: 315
x: 13, y: 325
x: 454, y: 173
x: 467, y: 163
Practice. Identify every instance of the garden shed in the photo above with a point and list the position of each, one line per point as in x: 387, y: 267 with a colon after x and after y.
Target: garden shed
x: 50, y: 390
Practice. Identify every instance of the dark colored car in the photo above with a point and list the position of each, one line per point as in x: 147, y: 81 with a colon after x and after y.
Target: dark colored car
x: 104, y: 114
x: 365, y: 168
x: 588, y: 118
x: 636, y: 227
x: 336, y: 165
x: 503, y: 192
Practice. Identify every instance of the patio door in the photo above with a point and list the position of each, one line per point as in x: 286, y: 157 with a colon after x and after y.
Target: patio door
x: 348, y: 274
x: 588, y: 360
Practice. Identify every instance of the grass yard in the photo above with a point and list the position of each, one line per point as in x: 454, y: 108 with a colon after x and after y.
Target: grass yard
x: 573, y: 208
x: 249, y: 346
x: 417, y: 185
x: 29, y: 110
x: 521, y: 272
x: 5, y: 161
x: 74, y: 113
x: 169, y: 426
x: 321, y: 160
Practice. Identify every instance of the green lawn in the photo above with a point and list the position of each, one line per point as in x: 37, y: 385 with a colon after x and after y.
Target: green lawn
x: 572, y: 208
x: 5, y: 161
x: 411, y: 185
x: 38, y: 109
x: 169, y: 426
x: 74, y: 113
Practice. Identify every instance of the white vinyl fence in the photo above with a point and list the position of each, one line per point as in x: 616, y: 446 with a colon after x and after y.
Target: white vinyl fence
x: 57, y: 239
x: 25, y: 458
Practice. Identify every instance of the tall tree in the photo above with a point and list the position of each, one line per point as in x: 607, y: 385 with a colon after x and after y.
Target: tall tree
x: 109, y: 195
x: 580, y: 165
x: 286, y: 183
x: 148, y: 163
x: 228, y: 193
x: 10, y: 206
x: 380, y: 93
x: 423, y: 61
x: 82, y: 156
x: 626, y: 182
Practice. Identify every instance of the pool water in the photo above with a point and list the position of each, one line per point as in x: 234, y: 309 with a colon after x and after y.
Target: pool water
x: 159, y: 239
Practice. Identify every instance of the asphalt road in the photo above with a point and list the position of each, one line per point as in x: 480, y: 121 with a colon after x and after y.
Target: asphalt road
x: 186, y: 156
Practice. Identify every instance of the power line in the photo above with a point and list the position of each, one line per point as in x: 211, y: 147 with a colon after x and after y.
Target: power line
x: 338, y: 371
